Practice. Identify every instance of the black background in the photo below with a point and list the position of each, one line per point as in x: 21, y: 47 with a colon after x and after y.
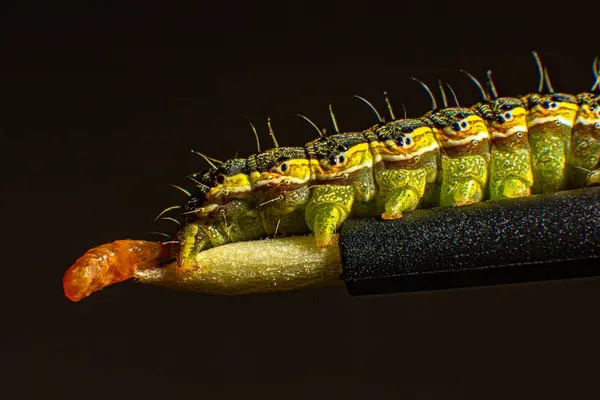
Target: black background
x: 100, y: 106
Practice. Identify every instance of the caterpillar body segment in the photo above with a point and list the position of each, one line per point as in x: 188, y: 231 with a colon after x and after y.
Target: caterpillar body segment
x: 550, y: 119
x: 585, y: 143
x: 343, y: 183
x: 406, y: 156
x: 215, y: 225
x: 226, y: 182
x: 465, y: 154
x: 280, y: 180
x: 511, y: 174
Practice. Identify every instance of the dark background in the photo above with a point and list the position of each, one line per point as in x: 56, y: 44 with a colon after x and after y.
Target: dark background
x: 100, y: 106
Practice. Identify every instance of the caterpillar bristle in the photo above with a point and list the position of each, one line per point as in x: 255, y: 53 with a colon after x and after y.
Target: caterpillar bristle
x: 443, y: 93
x: 596, y: 73
x: 187, y: 193
x: 549, y: 87
x: 165, y: 211
x: 271, y: 133
x: 367, y: 102
x: 453, y: 95
x: 197, y: 182
x: 389, y: 107
x: 171, y: 219
x: 491, y: 84
x: 160, y: 234
x: 321, y: 134
x: 255, y: 134
x: 431, y: 96
x: 538, y: 63
x: 209, y: 161
x: 336, y: 129
x: 484, y: 95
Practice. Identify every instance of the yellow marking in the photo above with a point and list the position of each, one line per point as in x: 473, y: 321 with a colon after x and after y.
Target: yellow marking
x: 477, y: 130
x: 399, y: 157
x: 357, y: 157
x: 518, y: 123
x: 586, y: 116
x: 238, y: 183
x: 543, y: 120
x: 452, y: 143
x: 586, y: 121
x: 298, y: 172
x: 564, y: 112
x: 422, y: 141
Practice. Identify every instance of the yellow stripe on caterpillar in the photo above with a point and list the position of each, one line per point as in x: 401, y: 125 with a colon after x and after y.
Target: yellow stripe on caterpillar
x: 543, y: 120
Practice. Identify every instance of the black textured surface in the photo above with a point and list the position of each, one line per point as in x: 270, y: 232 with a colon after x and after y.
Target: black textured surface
x: 537, y: 238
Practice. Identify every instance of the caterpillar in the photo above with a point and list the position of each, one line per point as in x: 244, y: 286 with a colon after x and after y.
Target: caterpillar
x: 499, y: 148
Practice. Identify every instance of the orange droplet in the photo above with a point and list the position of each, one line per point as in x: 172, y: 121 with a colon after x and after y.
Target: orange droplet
x: 111, y: 263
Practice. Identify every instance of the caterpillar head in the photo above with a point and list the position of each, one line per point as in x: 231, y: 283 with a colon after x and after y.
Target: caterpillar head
x: 228, y: 181
x: 339, y: 156
x: 195, y: 201
x: 402, y: 140
x: 281, y: 168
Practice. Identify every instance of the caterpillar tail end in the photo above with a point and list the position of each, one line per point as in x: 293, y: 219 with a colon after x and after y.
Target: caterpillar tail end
x: 111, y: 263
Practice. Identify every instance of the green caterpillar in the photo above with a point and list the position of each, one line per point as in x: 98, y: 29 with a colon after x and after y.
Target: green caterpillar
x: 501, y: 147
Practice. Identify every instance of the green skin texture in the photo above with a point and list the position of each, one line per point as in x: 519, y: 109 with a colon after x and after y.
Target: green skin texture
x: 404, y: 189
x: 335, y: 199
x: 550, y: 143
x: 549, y: 148
x: 286, y: 216
x: 585, y: 149
x: 400, y: 190
x: 585, y: 155
x: 409, y: 182
x: 365, y: 190
x: 236, y: 221
x: 510, y: 158
x: 328, y: 207
x: 465, y: 176
x: 509, y: 171
x: 463, y: 180
x: 281, y: 207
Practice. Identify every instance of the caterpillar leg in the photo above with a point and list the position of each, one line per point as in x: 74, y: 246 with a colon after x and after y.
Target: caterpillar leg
x: 593, y: 178
x: 400, y: 200
x: 549, y: 164
x: 328, y: 218
x: 511, y: 188
x: 549, y: 176
x: 467, y: 192
x: 193, y: 239
x: 329, y: 206
x: 464, y: 180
